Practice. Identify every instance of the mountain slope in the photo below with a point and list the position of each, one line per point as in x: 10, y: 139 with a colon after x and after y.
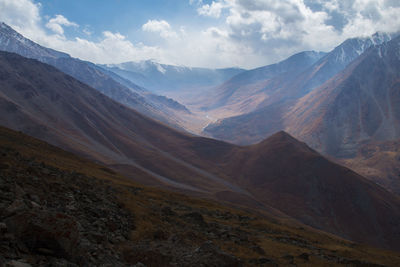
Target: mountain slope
x: 108, y: 83
x: 300, y: 182
x: 337, y: 60
x: 12, y: 41
x: 40, y: 100
x: 44, y: 102
x: 379, y: 162
x: 122, y: 223
x: 271, y: 114
x: 244, y: 92
x: 360, y: 104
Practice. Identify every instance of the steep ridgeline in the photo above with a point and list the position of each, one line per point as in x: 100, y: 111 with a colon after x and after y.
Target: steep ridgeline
x: 361, y: 104
x: 12, y: 41
x: 281, y: 93
x: 181, y: 81
x: 279, y: 175
x: 134, y: 96
x: 337, y: 60
x: 244, y: 92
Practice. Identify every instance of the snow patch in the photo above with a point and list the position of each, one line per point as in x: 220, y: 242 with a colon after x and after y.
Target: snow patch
x: 160, y: 68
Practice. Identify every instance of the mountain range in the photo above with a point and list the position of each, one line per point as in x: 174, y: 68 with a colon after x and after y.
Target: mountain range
x: 46, y: 103
x: 176, y: 81
x: 159, y: 107
x: 342, y: 104
x: 338, y: 105
x: 269, y: 99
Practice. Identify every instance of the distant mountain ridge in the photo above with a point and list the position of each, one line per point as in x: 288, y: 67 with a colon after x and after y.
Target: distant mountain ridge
x: 338, y: 59
x: 247, y: 90
x: 169, y: 79
x: 113, y: 86
x: 271, y: 114
x: 360, y: 104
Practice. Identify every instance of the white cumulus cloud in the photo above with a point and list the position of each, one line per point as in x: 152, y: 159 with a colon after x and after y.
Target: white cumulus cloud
x: 56, y: 24
x: 160, y: 26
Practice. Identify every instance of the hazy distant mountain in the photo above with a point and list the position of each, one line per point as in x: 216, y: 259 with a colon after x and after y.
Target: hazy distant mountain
x: 168, y: 79
x: 245, y: 91
x: 108, y: 83
x: 360, y: 104
x: 280, y: 94
x: 338, y: 59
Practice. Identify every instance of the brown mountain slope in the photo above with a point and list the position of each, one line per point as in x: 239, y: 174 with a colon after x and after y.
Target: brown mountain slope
x: 379, y: 162
x: 41, y: 101
x: 44, y: 102
x: 297, y: 180
x: 123, y: 223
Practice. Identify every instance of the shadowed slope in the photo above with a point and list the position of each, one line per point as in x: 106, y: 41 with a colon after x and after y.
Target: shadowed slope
x: 292, y: 177
x: 44, y: 102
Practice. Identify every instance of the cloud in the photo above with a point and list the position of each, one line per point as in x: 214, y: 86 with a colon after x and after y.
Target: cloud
x: 159, y: 26
x: 113, y: 47
x: 213, y: 10
x: 273, y: 30
x: 55, y: 24
x: 248, y: 33
x: 23, y: 15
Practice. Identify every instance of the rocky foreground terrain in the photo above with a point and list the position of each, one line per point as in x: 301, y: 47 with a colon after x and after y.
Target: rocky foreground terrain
x: 60, y: 210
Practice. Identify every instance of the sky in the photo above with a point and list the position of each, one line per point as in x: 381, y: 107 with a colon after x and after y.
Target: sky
x: 197, y: 33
